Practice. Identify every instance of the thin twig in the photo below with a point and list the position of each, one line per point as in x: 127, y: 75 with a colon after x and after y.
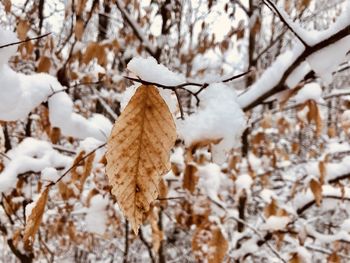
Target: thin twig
x: 180, y: 105
x: 23, y: 41
x: 148, y: 246
x: 76, y: 164
x: 259, y: 235
x: 126, y: 245
x: 185, y: 84
x: 275, y: 9
x: 171, y: 198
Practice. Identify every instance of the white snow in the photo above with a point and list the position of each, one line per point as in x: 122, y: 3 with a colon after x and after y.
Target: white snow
x: 218, y: 117
x: 20, y: 94
x: 149, y: 70
x: 275, y: 223
x: 96, y: 215
x: 326, y: 61
x: 244, y: 181
x: 311, y: 91
x: 210, y: 178
x: 333, y: 169
x: 49, y: 174
x: 303, y: 198
x: 30, y: 155
x: 271, y: 75
x: 7, y: 37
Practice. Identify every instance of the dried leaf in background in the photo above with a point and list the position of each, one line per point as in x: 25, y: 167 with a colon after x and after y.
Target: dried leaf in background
x: 34, y: 219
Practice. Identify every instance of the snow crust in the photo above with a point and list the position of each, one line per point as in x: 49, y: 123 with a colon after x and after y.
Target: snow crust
x: 210, y: 178
x: 324, y: 62
x: 219, y: 117
x: 310, y: 91
x: 20, y: 94
x: 148, y: 69
x: 31, y: 155
x: 96, y: 216
x: 275, y: 223
x: 271, y: 75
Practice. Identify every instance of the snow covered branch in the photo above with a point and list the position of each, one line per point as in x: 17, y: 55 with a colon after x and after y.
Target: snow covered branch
x: 21, y: 93
x: 283, y: 18
x: 291, y: 67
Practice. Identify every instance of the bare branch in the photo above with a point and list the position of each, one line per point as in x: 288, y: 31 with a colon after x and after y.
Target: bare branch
x: 150, y: 49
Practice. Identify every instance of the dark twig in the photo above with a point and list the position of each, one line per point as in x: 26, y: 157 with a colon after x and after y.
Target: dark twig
x: 180, y: 105
x: 312, y: 202
x: 275, y: 9
x: 148, y: 246
x: 26, y: 40
x: 171, y: 198
x: 185, y: 84
x: 280, y: 86
x: 76, y: 164
x: 126, y: 249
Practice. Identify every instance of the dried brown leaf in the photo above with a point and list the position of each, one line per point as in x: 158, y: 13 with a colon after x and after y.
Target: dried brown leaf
x: 55, y: 134
x: 79, y: 29
x: 7, y: 5
x: 323, y: 171
x: 208, y: 242
x: 333, y: 258
x: 315, y: 116
x: 94, y: 50
x: 190, y: 178
x: 34, y: 220
x: 44, y: 64
x: 220, y: 245
x: 316, y: 189
x: 138, y: 152
x: 22, y: 29
x: 271, y: 209
x: 295, y: 258
x: 88, y: 165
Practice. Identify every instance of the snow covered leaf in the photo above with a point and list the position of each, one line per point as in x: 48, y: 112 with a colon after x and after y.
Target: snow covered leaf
x: 314, y: 115
x: 271, y: 209
x: 138, y: 152
x: 316, y: 189
x: 208, y: 242
x: 34, y: 219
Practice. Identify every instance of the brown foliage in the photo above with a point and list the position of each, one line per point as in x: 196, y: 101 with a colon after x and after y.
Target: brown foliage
x: 138, y: 152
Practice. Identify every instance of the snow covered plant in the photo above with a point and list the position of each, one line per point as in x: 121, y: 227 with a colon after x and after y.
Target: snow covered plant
x: 139, y: 147
x: 146, y: 131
